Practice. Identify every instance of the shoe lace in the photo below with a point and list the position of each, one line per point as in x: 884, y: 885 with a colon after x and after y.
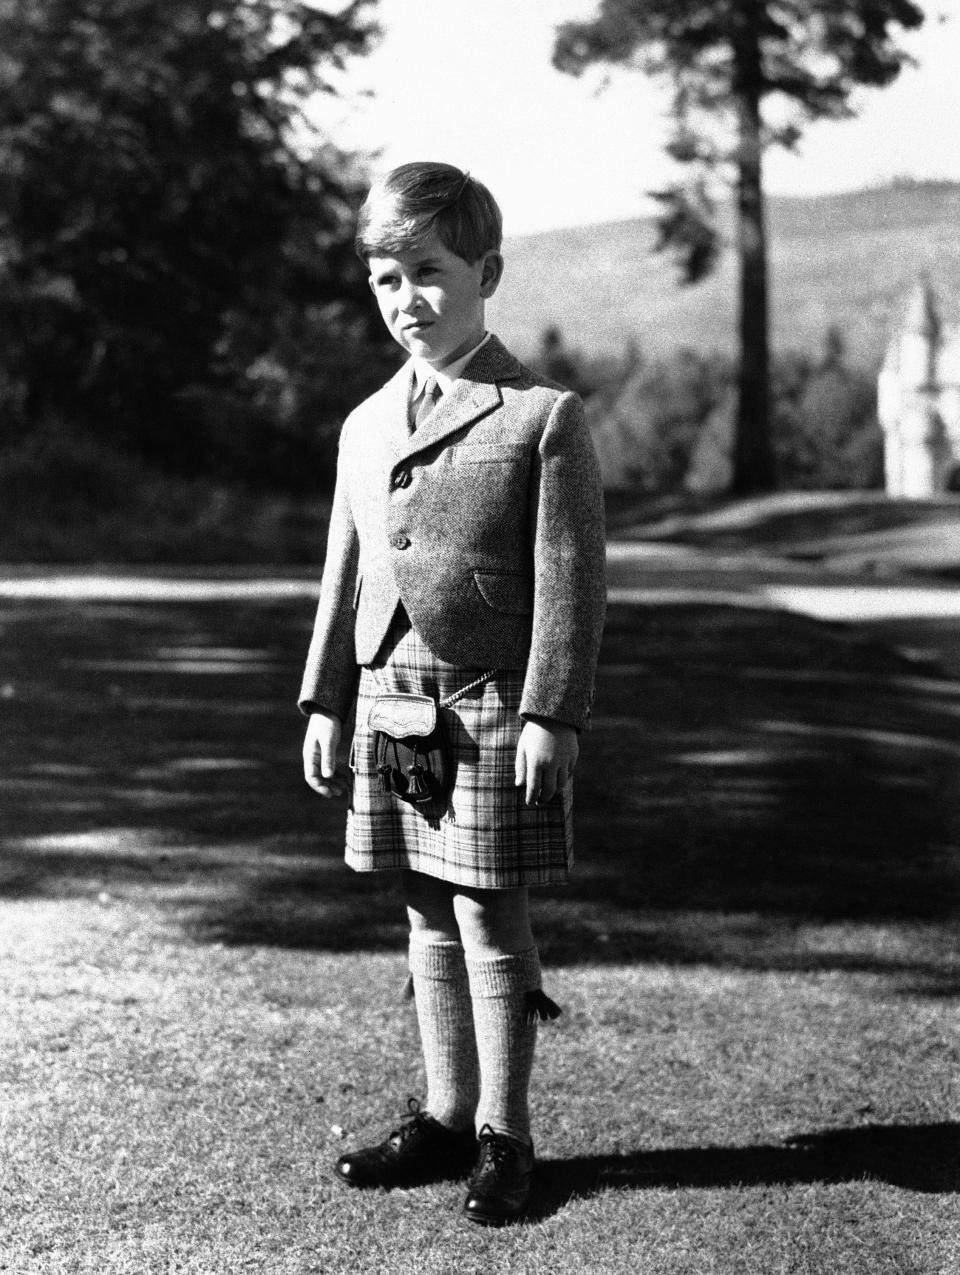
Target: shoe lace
x: 494, y: 1149
x: 414, y: 1120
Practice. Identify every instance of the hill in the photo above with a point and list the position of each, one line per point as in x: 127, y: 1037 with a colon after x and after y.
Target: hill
x: 848, y: 259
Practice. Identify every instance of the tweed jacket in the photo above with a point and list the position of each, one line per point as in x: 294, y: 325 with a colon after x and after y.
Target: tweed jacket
x: 486, y: 524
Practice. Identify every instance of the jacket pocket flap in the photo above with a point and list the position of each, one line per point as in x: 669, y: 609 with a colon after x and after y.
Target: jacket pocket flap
x: 504, y: 591
x: 403, y: 716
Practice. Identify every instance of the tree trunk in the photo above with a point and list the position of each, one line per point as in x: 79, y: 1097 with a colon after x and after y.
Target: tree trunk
x: 753, y: 467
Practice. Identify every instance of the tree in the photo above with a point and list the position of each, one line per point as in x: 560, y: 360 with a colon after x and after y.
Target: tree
x: 744, y: 74
x: 167, y: 222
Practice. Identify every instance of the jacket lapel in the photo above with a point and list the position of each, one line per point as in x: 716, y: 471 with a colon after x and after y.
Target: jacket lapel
x: 475, y: 394
x: 396, y: 398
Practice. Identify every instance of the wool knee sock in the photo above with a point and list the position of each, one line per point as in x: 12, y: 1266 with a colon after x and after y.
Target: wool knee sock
x: 500, y: 987
x: 445, y: 1016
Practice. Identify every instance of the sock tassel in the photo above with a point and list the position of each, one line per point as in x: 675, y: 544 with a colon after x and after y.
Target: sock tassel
x: 538, y: 1005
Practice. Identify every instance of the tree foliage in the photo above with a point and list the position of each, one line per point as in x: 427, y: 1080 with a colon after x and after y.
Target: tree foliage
x: 744, y: 74
x: 170, y: 234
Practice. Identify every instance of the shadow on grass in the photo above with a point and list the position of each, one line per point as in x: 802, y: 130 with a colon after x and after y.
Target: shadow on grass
x: 749, y: 774
x: 922, y: 1158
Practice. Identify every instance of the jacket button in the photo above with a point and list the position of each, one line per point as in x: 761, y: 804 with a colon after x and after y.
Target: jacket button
x: 402, y: 478
x: 401, y: 542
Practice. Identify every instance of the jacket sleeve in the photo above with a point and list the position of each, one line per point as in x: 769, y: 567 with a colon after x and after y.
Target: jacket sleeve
x: 331, y: 673
x: 569, y: 590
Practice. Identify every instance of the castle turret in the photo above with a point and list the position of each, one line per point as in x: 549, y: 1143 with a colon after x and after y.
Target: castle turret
x: 920, y: 339
x: 918, y: 400
x: 922, y: 449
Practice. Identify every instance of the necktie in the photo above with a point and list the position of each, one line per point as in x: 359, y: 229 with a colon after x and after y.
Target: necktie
x: 428, y: 401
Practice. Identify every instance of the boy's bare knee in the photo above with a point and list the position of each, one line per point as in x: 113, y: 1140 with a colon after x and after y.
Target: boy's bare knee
x: 430, y: 908
x: 493, y: 922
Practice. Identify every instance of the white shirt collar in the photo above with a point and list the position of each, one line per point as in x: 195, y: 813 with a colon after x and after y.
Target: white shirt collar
x: 446, y: 376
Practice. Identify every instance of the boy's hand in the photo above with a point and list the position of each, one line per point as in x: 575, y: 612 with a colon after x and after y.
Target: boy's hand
x: 320, y: 750
x: 546, y: 755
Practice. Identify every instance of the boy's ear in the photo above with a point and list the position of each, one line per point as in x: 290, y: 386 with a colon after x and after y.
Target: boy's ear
x: 371, y: 284
x: 491, y: 273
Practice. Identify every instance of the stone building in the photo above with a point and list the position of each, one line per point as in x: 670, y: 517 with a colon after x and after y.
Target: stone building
x: 918, y: 401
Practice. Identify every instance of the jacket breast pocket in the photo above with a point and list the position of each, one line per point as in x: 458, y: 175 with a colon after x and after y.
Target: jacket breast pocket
x: 504, y: 591
x: 490, y: 453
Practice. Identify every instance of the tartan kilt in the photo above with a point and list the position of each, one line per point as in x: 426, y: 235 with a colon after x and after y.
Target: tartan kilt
x: 486, y: 836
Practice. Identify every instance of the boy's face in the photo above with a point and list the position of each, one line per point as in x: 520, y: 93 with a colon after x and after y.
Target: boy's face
x: 432, y: 301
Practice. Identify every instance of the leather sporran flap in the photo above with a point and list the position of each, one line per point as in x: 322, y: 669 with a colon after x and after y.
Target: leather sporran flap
x: 403, y: 716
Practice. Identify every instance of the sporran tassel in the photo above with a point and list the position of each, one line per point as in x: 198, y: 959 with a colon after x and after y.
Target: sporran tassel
x: 417, y: 788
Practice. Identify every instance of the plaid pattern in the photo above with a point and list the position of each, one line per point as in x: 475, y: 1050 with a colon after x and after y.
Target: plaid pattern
x: 487, y: 836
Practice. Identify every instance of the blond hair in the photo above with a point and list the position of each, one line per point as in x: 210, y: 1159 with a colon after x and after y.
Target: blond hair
x: 405, y: 205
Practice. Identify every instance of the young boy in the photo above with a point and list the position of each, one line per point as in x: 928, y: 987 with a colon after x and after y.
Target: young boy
x: 465, y: 564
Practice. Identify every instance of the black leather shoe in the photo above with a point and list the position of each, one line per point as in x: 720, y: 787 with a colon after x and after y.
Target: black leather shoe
x: 422, y: 1150
x: 499, y: 1190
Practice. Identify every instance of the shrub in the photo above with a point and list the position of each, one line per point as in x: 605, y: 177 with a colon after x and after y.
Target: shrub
x: 668, y: 426
x: 827, y: 434
x: 585, y: 375
x: 645, y: 429
x: 65, y: 497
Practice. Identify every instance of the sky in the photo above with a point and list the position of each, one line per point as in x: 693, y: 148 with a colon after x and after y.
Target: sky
x: 470, y: 82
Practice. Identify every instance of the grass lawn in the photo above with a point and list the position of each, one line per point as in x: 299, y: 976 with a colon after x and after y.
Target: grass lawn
x: 757, y: 1067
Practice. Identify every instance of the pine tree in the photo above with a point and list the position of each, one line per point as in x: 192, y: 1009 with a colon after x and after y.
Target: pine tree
x: 735, y: 66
